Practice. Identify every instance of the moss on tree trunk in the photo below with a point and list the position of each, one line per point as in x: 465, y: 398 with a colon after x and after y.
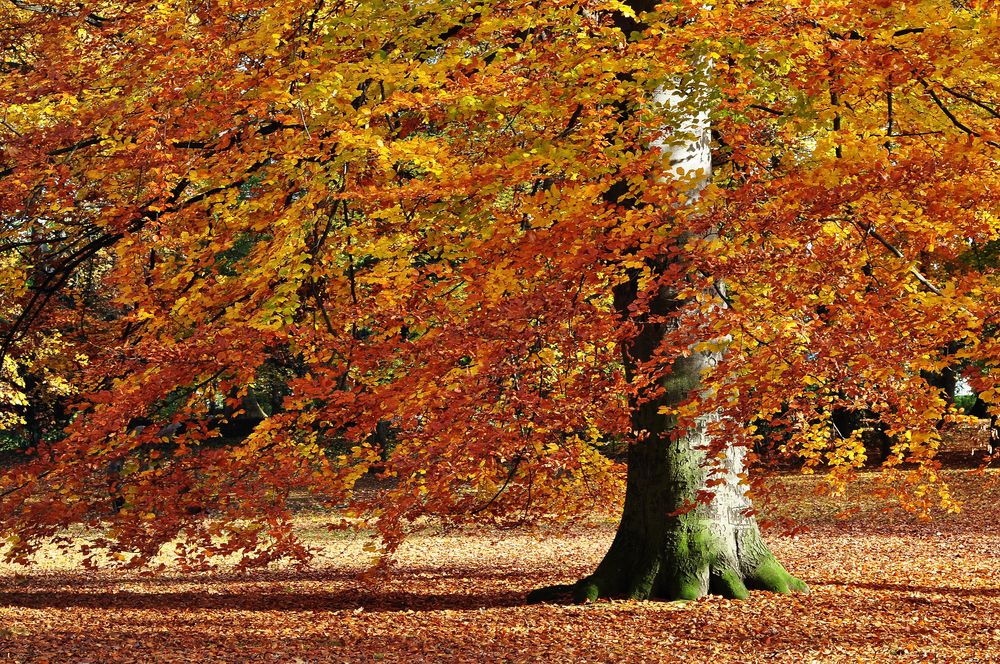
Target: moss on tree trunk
x: 663, y: 548
x: 713, y: 549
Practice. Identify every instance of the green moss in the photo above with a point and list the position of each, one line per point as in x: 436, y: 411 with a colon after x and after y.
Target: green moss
x: 797, y: 585
x: 728, y: 584
x: 681, y: 542
x: 702, y: 543
x: 688, y: 587
x: 681, y: 580
x: 586, y: 591
x: 770, y: 575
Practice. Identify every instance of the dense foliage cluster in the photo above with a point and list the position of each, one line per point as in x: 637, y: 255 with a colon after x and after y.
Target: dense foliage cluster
x: 252, y: 248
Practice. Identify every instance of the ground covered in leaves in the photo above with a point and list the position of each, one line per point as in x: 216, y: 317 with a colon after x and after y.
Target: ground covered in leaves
x: 885, y: 588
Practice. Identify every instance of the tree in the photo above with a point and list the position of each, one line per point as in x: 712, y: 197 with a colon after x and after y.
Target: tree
x: 687, y: 528
x: 457, y: 219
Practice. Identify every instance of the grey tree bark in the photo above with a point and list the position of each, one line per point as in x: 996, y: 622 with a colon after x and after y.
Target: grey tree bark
x: 663, y: 549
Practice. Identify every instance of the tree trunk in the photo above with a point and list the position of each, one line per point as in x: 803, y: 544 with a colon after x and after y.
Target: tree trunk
x: 664, y: 548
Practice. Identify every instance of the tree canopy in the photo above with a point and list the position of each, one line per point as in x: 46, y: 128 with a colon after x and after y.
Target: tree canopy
x: 416, y: 214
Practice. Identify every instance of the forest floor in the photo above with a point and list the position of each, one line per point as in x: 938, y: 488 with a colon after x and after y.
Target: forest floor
x: 885, y: 587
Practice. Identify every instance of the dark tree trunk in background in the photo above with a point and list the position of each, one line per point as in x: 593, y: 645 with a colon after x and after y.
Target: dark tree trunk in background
x: 981, y: 409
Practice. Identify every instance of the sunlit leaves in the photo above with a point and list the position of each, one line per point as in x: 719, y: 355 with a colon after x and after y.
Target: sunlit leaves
x: 415, y: 214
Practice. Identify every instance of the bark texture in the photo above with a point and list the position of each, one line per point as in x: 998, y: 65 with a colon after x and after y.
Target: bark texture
x: 664, y: 549
x: 714, y: 548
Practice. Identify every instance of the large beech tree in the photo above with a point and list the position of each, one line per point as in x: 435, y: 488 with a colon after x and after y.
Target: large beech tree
x: 515, y: 233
